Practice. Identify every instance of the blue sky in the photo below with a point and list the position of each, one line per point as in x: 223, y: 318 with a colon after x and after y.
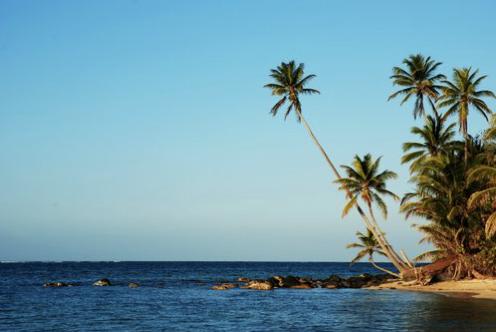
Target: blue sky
x: 139, y: 130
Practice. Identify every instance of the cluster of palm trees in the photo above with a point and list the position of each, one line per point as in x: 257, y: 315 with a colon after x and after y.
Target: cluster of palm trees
x: 454, y: 179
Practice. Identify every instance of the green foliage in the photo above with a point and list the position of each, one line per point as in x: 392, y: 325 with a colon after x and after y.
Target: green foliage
x: 461, y: 94
x: 418, y: 80
x: 367, y: 244
x: 436, y: 139
x: 454, y: 180
x: 365, y: 181
x: 289, y: 83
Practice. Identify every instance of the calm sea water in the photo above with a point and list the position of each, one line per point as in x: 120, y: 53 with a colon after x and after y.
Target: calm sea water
x: 175, y: 296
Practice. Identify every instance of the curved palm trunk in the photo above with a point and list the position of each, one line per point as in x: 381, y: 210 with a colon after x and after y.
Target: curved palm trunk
x: 380, y: 237
x: 372, y: 226
x: 371, y: 261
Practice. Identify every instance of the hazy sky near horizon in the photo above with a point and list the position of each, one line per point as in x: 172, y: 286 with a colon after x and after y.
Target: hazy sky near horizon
x: 140, y: 130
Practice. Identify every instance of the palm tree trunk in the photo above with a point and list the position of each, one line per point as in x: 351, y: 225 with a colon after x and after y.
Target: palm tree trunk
x: 386, y: 247
x: 383, y: 269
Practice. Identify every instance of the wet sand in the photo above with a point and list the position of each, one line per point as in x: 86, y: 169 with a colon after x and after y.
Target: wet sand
x: 481, y: 289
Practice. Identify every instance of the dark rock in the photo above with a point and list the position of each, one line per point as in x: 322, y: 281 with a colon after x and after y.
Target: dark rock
x: 366, y: 276
x: 225, y: 286
x: 277, y: 281
x: 333, y: 278
x: 332, y: 282
x: 102, y: 282
x: 356, y: 282
x: 285, y: 282
x: 133, y: 285
x: 317, y: 283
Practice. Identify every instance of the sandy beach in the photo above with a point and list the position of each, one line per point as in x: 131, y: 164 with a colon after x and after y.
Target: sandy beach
x: 481, y: 289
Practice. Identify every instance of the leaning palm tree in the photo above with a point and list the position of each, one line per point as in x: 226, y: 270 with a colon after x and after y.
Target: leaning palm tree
x: 435, y: 139
x: 366, y: 182
x: 462, y: 94
x: 368, y: 246
x: 289, y: 82
x: 418, y: 80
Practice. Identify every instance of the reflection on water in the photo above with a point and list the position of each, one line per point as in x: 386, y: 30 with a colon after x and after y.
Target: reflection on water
x: 442, y: 313
x: 176, y: 297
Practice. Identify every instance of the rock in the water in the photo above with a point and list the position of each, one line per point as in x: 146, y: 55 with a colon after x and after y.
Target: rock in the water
x: 331, y: 286
x: 225, y: 286
x: 302, y: 286
x: 286, y: 282
x: 133, y: 285
x: 56, y: 284
x: 102, y: 282
x: 244, y: 279
x: 332, y: 282
x: 259, y: 285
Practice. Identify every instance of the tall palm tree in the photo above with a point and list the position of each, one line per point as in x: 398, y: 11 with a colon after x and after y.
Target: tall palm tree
x: 419, y: 80
x: 289, y: 82
x: 366, y: 182
x: 368, y: 246
x: 435, y: 139
x: 462, y: 94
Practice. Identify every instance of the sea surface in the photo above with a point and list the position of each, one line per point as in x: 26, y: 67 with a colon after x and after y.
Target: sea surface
x: 176, y: 296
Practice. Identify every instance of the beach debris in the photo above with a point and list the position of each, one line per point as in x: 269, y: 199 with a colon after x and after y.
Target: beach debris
x: 102, y: 282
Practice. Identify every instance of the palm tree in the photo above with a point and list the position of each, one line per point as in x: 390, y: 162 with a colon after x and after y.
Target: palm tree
x: 462, y: 94
x: 490, y: 133
x: 368, y: 246
x: 289, y: 82
x: 419, y: 79
x: 457, y: 208
x: 487, y: 194
x: 435, y: 139
x: 366, y: 182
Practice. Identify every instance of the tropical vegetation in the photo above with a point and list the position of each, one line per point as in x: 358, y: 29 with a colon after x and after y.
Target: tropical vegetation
x: 453, y: 176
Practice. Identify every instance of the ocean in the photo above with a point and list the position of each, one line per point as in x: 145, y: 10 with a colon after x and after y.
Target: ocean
x: 176, y: 296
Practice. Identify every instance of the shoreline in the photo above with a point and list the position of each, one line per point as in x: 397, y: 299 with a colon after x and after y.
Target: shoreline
x: 476, y: 289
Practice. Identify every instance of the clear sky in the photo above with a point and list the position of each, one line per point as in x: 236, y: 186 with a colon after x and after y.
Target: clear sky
x: 139, y: 130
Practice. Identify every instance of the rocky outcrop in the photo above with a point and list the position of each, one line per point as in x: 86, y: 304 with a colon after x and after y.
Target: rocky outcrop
x: 133, y: 285
x: 102, y: 282
x: 224, y: 286
x: 259, y: 285
x: 331, y: 282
